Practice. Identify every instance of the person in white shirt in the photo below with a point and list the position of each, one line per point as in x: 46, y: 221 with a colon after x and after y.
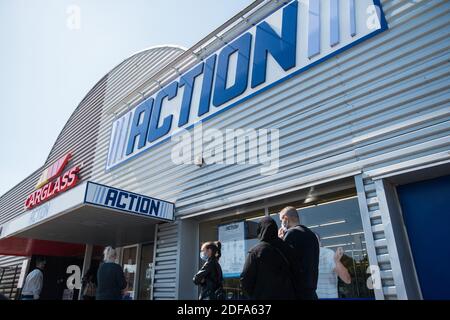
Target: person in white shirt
x: 330, y: 268
x: 33, y: 283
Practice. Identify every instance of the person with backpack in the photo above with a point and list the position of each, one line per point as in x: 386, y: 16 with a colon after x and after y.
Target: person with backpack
x: 89, y: 283
x: 210, y: 278
x: 270, y: 270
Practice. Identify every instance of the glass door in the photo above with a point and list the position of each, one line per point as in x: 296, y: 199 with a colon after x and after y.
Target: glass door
x: 146, y: 272
x: 129, y: 259
x: 338, y: 224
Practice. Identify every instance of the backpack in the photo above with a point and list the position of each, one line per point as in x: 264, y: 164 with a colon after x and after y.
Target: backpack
x: 89, y: 289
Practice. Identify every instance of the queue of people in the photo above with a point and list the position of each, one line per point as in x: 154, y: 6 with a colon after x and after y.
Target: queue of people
x: 288, y: 263
x: 106, y: 282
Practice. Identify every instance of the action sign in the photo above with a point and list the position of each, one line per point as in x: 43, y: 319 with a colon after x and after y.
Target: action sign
x: 130, y: 202
x: 289, y: 41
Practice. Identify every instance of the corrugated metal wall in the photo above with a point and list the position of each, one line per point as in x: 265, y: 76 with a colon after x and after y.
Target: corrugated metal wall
x: 10, y: 268
x: 379, y: 103
x: 383, y: 101
x: 375, y: 237
x: 165, y: 277
x: 12, y: 203
x: 121, y: 85
x: 79, y: 135
x: 133, y: 72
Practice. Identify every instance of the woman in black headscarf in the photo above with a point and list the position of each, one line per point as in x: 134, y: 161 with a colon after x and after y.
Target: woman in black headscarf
x: 270, y: 270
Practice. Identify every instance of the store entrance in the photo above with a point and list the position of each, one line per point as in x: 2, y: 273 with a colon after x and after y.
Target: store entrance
x: 426, y: 215
x: 336, y: 221
x: 137, y: 264
x: 57, y: 271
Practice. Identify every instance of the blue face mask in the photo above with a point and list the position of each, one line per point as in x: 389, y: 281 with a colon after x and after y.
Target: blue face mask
x: 203, y: 256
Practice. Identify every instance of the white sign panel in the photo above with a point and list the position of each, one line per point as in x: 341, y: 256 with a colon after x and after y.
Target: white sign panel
x: 65, y: 202
x: 232, y: 237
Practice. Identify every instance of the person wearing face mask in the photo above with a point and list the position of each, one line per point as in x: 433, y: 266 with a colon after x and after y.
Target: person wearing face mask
x: 306, y: 246
x: 210, y: 278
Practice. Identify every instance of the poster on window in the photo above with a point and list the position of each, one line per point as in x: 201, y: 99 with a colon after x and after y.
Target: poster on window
x: 232, y: 237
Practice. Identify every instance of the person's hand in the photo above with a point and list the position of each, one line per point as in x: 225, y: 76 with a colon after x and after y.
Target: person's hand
x: 281, y: 232
x: 124, y: 291
x: 338, y: 255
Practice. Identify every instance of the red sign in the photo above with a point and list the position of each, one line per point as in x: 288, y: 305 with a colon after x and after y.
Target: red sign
x: 54, y: 170
x: 52, y: 182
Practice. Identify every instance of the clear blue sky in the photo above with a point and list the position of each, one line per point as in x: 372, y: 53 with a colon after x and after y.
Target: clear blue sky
x: 47, y: 64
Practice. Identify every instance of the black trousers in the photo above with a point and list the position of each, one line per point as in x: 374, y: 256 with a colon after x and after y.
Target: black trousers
x: 309, y: 294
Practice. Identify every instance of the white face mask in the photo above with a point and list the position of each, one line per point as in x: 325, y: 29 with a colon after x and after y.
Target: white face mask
x: 284, y: 224
x: 203, y: 256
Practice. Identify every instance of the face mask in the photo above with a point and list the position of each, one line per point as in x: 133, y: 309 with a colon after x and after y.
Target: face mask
x: 203, y: 256
x: 284, y: 224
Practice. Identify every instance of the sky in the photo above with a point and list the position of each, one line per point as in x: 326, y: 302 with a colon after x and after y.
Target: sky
x: 53, y: 52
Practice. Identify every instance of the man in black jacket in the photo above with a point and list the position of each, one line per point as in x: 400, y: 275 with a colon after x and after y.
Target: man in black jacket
x: 306, y: 245
x: 270, y: 270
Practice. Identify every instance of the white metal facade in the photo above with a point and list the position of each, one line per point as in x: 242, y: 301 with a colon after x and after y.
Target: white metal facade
x: 79, y: 135
x: 382, y: 103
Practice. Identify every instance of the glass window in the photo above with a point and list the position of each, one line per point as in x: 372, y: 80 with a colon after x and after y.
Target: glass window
x: 129, y: 269
x: 146, y: 268
x: 234, y: 249
x: 337, y: 223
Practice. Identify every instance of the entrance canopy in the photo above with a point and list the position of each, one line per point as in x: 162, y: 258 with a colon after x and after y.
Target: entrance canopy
x: 90, y: 213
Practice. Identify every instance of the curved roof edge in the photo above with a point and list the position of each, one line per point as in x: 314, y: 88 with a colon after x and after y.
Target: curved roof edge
x: 174, y: 46
x: 94, y: 87
x: 238, y: 18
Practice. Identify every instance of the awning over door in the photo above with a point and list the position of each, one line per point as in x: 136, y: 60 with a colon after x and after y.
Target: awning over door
x: 91, y: 213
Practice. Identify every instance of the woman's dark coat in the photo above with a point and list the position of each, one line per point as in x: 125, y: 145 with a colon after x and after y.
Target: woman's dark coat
x: 271, y: 270
x: 209, y: 278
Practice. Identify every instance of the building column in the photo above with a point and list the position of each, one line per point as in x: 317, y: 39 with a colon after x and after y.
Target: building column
x: 189, y: 247
x: 404, y: 273
x: 374, y: 237
x: 165, y: 264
